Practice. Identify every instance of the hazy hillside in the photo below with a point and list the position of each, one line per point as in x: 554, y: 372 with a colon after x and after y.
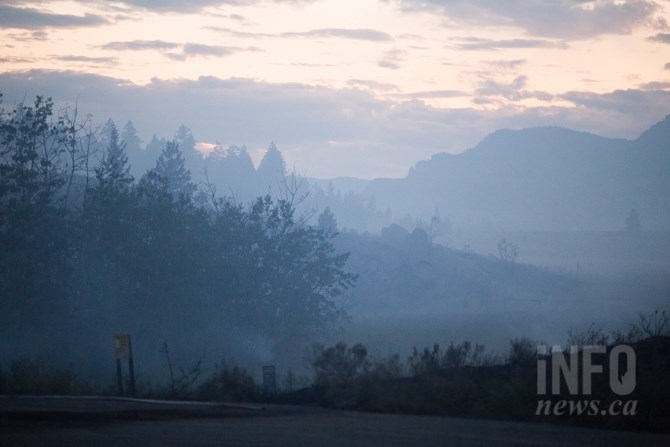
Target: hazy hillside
x: 541, y: 179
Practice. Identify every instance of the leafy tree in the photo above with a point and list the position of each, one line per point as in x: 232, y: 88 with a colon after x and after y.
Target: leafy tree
x: 32, y: 240
x: 171, y: 166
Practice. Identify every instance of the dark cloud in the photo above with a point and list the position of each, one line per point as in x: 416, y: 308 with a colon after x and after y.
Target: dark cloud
x: 475, y: 43
x: 138, y: 45
x: 29, y: 18
x: 356, y: 34
x: 661, y: 37
x: 321, y: 130
x: 568, y: 19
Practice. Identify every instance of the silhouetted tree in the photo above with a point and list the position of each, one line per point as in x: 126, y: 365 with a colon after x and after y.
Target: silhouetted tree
x: 171, y: 166
x: 327, y: 222
x: 272, y: 168
x: 32, y: 221
x: 130, y: 138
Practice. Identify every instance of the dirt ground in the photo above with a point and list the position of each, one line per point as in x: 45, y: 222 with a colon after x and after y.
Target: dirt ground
x: 103, y: 422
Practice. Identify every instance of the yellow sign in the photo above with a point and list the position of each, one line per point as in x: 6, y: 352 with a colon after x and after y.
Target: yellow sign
x: 121, y: 346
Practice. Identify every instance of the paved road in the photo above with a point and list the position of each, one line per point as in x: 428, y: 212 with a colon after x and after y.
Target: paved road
x: 110, y: 422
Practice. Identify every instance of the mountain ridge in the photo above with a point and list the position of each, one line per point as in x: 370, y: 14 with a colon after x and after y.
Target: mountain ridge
x: 540, y: 178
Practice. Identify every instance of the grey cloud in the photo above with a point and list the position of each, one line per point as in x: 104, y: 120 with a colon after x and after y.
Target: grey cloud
x: 489, y: 91
x: 630, y: 102
x: 655, y: 86
x: 661, y: 37
x: 433, y: 94
x: 197, y: 5
x: 135, y: 45
x: 474, y: 43
x: 667, y: 66
x: 356, y: 34
x: 384, y: 137
x: 391, y: 59
x: 241, y: 34
x: 341, y: 33
x: 508, y: 64
x: 29, y: 18
x: 93, y: 60
x: 372, y: 85
x: 197, y: 49
x: 558, y: 18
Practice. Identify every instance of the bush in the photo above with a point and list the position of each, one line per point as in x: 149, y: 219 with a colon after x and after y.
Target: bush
x: 229, y: 385
x: 338, y: 365
x: 28, y: 376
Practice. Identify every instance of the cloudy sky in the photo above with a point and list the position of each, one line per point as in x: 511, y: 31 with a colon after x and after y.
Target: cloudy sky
x: 360, y: 88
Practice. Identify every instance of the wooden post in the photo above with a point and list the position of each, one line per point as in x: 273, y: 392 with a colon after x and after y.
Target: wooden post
x: 131, y: 368
x: 119, y: 376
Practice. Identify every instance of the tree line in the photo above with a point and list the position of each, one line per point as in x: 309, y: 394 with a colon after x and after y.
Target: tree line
x: 85, y: 245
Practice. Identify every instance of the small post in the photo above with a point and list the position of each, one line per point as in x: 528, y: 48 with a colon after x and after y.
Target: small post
x: 119, y: 376
x: 122, y: 350
x: 131, y: 368
x: 269, y: 380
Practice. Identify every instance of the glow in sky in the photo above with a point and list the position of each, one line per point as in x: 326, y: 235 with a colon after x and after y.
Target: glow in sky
x: 345, y: 87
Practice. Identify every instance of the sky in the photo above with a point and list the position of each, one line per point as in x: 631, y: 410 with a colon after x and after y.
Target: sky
x: 360, y: 88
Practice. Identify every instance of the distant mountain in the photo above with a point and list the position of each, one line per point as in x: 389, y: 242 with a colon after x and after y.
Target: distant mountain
x: 341, y: 184
x: 541, y: 179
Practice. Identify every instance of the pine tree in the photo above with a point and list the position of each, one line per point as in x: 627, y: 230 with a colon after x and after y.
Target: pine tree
x: 171, y: 166
x: 114, y: 171
x: 129, y: 136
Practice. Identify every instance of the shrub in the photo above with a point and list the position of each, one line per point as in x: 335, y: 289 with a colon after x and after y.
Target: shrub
x: 229, y: 384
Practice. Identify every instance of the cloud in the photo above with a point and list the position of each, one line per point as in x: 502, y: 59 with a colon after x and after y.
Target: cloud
x: 355, y: 34
x: 372, y: 85
x: 198, y: 5
x: 661, y: 37
x: 29, y: 18
x: 339, y: 33
x: 373, y: 137
x: 508, y: 64
x: 139, y: 45
x: 391, y: 59
x: 188, y: 49
x: 197, y: 49
x: 654, y: 86
x: 475, y: 43
x: 92, y: 60
x: 629, y: 102
x: 434, y: 94
x: 667, y: 66
x: 566, y: 19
